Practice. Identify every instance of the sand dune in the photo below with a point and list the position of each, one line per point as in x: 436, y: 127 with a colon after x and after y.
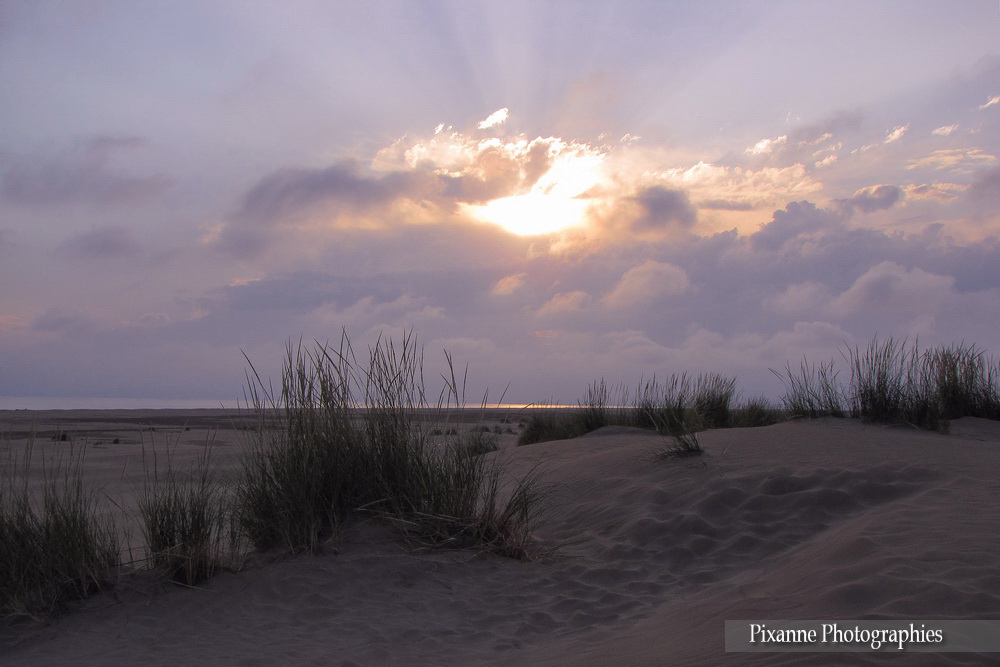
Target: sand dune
x: 829, y: 519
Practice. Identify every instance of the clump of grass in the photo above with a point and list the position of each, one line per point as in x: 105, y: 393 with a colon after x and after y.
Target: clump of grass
x: 812, y: 392
x: 662, y: 406
x: 187, y: 521
x: 885, y: 380
x: 892, y: 381
x: 477, y: 443
x: 505, y: 519
x: 967, y: 381
x: 544, y: 425
x: 756, y: 411
x: 55, y: 548
x: 685, y: 440
x: 682, y: 401
x: 668, y: 407
x: 344, y: 437
x: 713, y: 398
x: 603, y: 405
x: 293, y: 490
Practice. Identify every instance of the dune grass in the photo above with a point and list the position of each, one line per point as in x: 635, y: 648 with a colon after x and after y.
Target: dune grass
x: 890, y: 380
x: 55, y: 546
x: 340, y: 439
x: 547, y: 424
x: 685, y: 444
x: 677, y: 406
x: 187, y: 520
x: 813, y: 392
x: 345, y: 438
x: 893, y: 381
x: 754, y: 412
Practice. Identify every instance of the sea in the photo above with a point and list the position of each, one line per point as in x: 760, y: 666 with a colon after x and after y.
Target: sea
x: 104, y: 403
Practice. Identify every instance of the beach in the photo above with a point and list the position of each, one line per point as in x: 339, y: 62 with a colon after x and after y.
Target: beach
x: 640, y: 559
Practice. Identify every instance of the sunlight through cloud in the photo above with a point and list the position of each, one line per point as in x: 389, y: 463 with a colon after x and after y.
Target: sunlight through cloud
x: 556, y: 201
x: 496, y: 118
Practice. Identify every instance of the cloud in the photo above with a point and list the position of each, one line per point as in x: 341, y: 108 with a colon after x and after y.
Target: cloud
x: 285, y: 195
x: 799, y: 299
x: 825, y: 162
x: 894, y: 296
x: 991, y: 102
x: 765, y: 146
x: 726, y: 205
x: 699, y: 303
x: 940, y: 192
x: 795, y: 220
x: 374, y: 316
x: 452, y: 176
x: 842, y: 122
x: 801, y: 143
x: 646, y: 283
x: 61, y: 321
x: 959, y: 160
x: 663, y: 209
x: 498, y: 117
x: 895, y: 134
x: 300, y: 291
x: 493, y: 169
x: 565, y: 302
x: 891, y: 136
x: 945, y: 130
x: 509, y: 284
x: 104, y: 243
x: 82, y: 175
x: 758, y: 188
x: 872, y: 198
x: 339, y: 196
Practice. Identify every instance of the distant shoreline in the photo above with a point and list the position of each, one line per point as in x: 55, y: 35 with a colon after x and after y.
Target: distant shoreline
x: 45, y: 403
x: 20, y: 423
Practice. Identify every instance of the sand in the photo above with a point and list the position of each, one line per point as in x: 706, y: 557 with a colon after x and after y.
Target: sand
x: 828, y: 519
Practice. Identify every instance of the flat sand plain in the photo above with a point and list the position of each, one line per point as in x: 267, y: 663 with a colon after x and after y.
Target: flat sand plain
x: 827, y: 519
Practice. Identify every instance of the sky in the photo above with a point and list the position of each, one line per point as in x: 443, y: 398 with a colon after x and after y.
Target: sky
x: 553, y: 192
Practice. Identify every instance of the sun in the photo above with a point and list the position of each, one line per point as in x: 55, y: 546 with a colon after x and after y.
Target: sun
x: 558, y: 200
x: 533, y: 213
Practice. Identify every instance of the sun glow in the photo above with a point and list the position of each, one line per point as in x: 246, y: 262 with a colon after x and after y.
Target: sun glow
x: 533, y: 213
x: 557, y: 200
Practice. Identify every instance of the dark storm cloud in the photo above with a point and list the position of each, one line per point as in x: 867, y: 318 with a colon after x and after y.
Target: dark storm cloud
x: 804, y: 242
x: 291, y: 197
x: 302, y: 292
x: 820, y: 272
x: 819, y: 277
x: 664, y: 209
x: 875, y: 198
x: 105, y: 243
x: 291, y: 192
x: 80, y: 176
x: 795, y: 220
